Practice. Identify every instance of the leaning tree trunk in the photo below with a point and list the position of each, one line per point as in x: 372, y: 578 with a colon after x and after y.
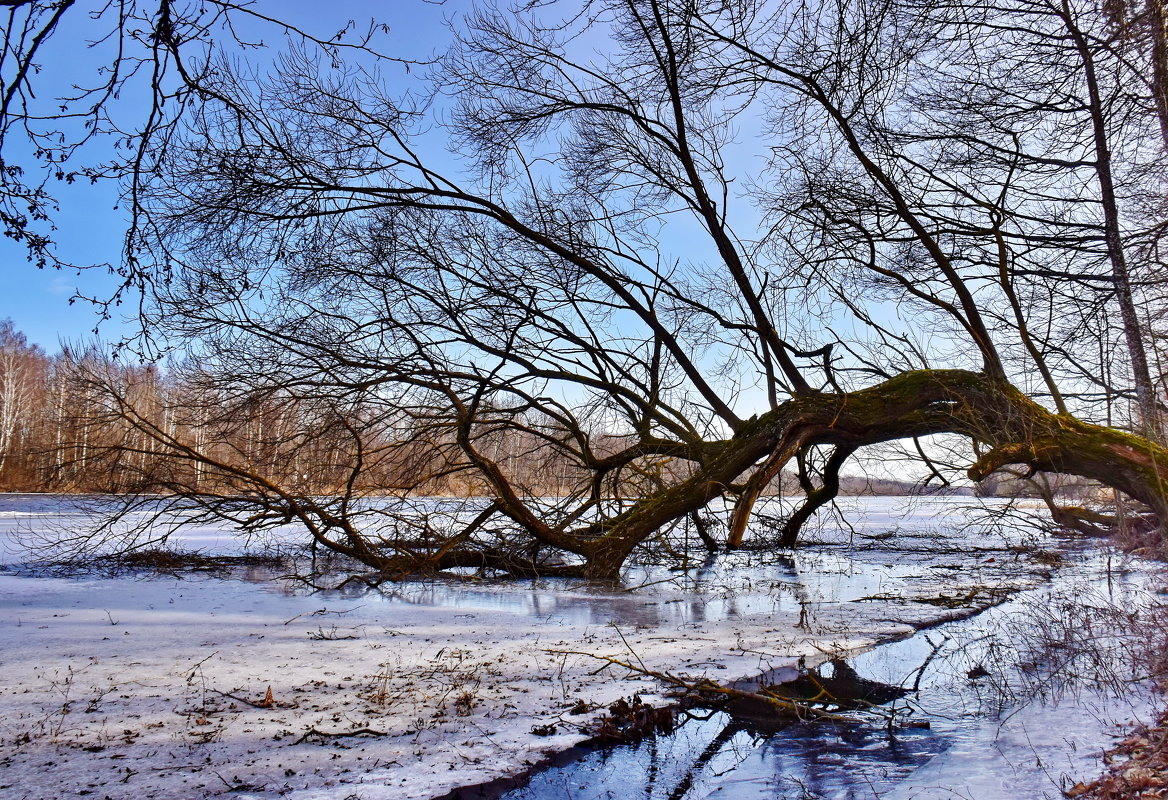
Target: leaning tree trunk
x: 816, y: 498
x: 1013, y: 428
x: 1010, y: 427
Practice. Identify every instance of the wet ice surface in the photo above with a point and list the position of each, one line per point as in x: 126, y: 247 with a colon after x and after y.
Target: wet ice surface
x: 29, y: 521
x: 1043, y: 716
x: 892, y: 549
x: 152, y: 656
x: 1028, y: 732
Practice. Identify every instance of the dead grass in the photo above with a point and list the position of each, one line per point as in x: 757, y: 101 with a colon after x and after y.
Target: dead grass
x: 1137, y: 767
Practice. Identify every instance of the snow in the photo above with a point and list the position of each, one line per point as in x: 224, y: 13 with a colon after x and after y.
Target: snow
x: 133, y: 687
x: 120, y: 686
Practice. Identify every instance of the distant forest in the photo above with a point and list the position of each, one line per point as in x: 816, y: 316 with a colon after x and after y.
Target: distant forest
x: 49, y: 439
x: 58, y: 433
x: 63, y: 429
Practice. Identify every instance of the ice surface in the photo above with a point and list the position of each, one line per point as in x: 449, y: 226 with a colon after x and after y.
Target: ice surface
x: 148, y: 686
x: 1031, y: 727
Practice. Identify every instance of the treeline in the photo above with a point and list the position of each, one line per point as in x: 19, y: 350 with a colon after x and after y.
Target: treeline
x: 39, y: 406
x: 81, y: 421
x: 51, y: 432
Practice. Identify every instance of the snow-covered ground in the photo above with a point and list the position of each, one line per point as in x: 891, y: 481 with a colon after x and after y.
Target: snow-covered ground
x: 137, y: 687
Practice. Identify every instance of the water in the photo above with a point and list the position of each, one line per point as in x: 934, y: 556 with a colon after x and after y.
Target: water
x: 1059, y: 658
x: 33, y: 526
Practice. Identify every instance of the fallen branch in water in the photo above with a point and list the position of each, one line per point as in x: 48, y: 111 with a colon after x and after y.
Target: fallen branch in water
x: 709, y: 691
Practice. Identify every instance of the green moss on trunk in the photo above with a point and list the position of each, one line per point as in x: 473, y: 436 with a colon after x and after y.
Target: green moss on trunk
x: 1015, y: 428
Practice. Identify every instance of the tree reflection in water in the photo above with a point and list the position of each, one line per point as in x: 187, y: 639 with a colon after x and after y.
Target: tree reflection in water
x: 720, y: 756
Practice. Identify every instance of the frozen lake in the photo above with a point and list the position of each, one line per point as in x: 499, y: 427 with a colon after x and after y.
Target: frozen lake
x: 155, y: 685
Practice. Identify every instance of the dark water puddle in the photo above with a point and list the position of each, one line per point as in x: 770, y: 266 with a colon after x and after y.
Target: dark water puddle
x: 714, y: 754
x: 723, y: 757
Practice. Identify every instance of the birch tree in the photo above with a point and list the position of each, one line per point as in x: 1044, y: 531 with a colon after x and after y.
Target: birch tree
x: 22, y: 369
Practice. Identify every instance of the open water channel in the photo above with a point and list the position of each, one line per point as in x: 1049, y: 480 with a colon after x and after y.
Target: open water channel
x: 1016, y: 702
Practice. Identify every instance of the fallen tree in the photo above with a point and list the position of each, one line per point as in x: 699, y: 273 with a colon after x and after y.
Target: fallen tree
x: 1009, y: 428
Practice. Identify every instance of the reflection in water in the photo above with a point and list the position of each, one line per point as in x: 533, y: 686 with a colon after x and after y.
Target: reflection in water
x: 729, y: 586
x: 724, y: 757
x: 757, y: 588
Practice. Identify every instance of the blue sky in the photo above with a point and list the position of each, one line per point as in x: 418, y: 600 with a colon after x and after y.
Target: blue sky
x: 90, y: 229
x: 38, y: 300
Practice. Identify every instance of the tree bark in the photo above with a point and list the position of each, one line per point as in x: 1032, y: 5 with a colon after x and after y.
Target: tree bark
x: 990, y: 411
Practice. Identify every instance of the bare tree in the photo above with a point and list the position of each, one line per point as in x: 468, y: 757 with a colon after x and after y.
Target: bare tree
x: 22, y: 375
x: 104, y: 107
x: 546, y: 249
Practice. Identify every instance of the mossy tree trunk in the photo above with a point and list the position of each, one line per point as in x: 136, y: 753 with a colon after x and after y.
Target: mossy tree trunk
x: 1012, y: 428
